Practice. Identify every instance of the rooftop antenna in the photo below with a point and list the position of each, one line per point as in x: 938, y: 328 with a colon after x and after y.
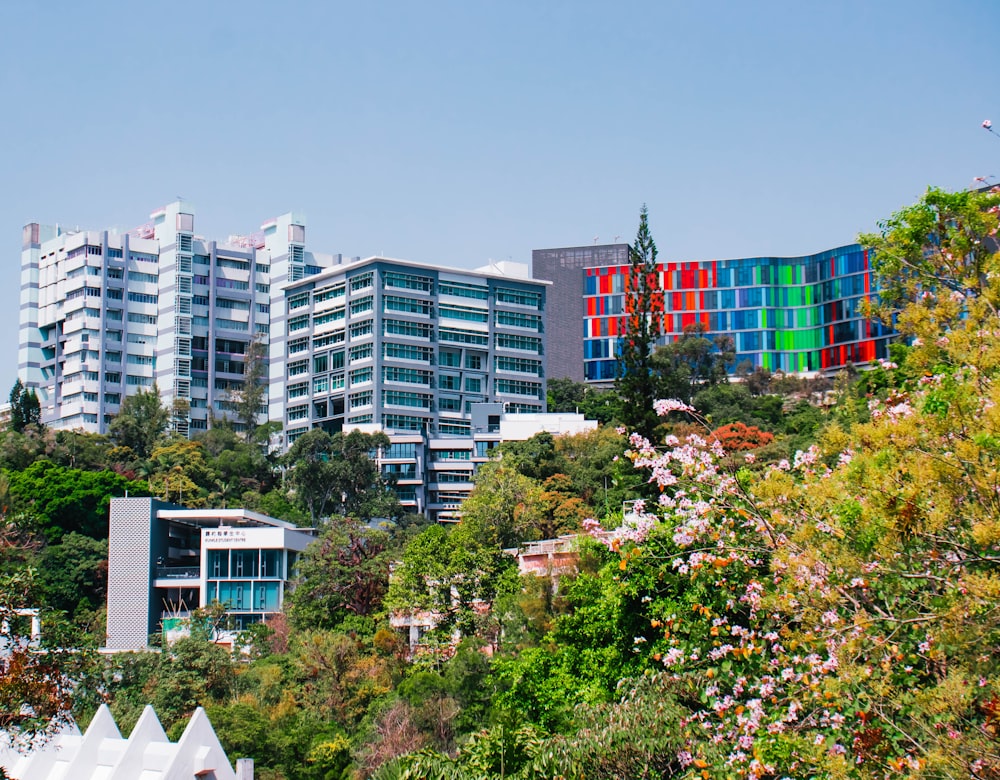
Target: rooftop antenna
x: 616, y: 239
x: 596, y: 238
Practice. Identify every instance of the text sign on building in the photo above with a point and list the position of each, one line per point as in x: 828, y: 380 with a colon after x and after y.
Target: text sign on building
x: 225, y: 537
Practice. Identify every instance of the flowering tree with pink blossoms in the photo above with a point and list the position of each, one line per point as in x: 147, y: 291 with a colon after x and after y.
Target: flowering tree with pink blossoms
x: 833, y: 615
x: 837, y: 615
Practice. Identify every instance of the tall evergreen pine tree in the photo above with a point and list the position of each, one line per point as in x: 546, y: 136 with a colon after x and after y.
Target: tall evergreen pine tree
x: 25, y: 408
x: 636, y: 382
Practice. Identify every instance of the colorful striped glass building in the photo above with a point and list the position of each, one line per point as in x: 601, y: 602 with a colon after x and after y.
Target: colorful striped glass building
x: 790, y: 314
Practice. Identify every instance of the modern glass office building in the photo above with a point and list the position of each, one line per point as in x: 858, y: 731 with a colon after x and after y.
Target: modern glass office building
x: 410, y: 350
x: 408, y: 346
x: 790, y: 314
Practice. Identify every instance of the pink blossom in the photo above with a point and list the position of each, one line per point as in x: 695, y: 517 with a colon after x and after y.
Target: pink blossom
x: 806, y: 458
x: 590, y: 526
x: 666, y: 405
x: 673, y: 656
x: 899, y: 411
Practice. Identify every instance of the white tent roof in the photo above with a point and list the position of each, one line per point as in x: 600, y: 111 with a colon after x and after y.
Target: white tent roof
x: 103, y: 754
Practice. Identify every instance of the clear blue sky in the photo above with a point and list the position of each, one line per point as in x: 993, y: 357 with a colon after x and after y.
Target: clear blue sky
x: 456, y: 132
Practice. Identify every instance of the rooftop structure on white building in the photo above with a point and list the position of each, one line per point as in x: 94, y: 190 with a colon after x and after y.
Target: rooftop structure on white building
x: 164, y: 561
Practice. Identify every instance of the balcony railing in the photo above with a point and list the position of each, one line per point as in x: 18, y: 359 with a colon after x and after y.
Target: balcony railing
x: 177, y: 572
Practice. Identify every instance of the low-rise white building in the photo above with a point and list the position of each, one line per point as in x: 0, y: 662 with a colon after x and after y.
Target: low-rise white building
x: 165, y: 560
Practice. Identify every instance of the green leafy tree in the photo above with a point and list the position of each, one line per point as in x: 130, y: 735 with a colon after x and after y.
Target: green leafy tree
x: 20, y: 450
x: 943, y: 245
x: 691, y: 362
x: 567, y: 395
x: 36, y: 693
x: 454, y: 573
x: 632, y: 737
x: 535, y: 457
x: 337, y: 475
x: 194, y: 672
x: 507, y: 503
x: 234, y: 466
x: 599, y: 477
x: 57, y: 500
x: 341, y: 675
x: 81, y: 450
x: 564, y: 395
x: 276, y: 503
x: 857, y: 582
x: 74, y: 574
x: 140, y: 422
x: 249, y: 398
x: 636, y: 383
x: 177, y: 471
x: 734, y: 403
x: 25, y: 409
x: 344, y: 572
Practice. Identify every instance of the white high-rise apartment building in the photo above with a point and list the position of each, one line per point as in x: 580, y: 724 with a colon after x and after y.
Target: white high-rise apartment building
x: 104, y: 314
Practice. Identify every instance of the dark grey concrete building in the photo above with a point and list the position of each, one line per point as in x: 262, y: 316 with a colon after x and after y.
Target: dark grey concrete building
x: 565, y: 302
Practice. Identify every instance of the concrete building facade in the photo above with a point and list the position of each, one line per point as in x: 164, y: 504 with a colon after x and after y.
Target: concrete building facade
x: 411, y: 350
x: 105, y: 314
x: 434, y: 474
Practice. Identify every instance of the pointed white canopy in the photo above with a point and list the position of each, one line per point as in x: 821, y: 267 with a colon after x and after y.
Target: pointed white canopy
x: 103, y: 754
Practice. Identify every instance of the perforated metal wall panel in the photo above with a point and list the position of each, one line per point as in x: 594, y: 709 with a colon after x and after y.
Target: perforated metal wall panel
x: 129, y: 573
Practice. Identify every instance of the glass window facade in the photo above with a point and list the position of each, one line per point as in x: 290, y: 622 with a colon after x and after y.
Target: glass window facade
x: 248, y: 582
x: 791, y: 314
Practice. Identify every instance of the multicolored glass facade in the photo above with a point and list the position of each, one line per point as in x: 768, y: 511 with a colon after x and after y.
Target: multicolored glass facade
x: 791, y: 314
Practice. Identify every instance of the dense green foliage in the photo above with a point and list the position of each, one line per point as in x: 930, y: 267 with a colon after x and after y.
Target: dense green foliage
x: 810, y: 590
x: 336, y: 474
